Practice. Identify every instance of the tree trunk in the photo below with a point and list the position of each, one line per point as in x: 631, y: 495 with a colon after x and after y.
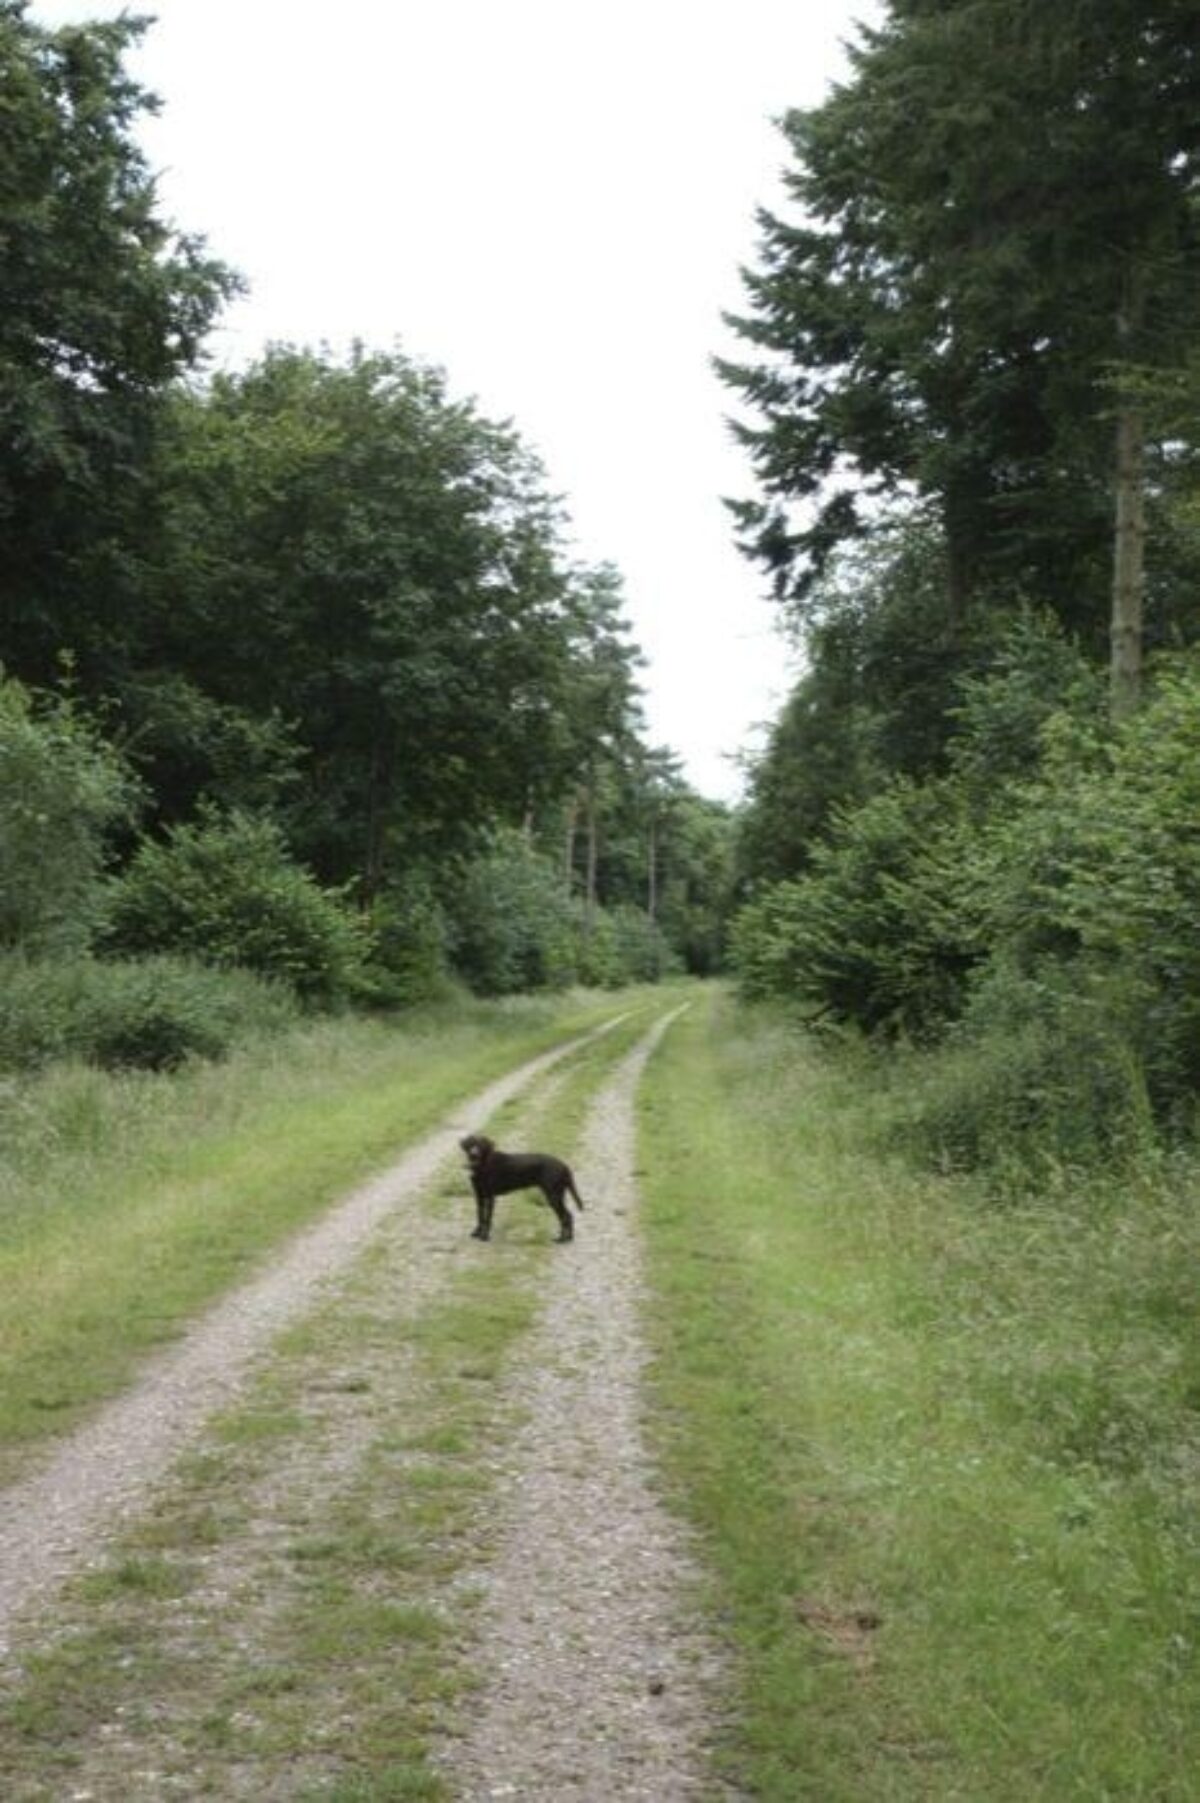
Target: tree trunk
x: 589, y: 894
x: 652, y: 873
x: 1129, y: 528
x: 569, y: 848
x: 378, y: 796
x: 1129, y: 556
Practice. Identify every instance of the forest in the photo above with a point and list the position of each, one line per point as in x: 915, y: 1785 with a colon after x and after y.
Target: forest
x: 330, y: 830
x: 969, y: 392
x: 306, y: 701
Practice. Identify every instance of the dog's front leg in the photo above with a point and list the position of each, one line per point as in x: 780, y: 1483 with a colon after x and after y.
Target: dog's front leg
x: 483, y: 1211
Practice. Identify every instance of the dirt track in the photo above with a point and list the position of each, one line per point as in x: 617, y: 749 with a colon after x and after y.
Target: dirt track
x: 598, y: 1683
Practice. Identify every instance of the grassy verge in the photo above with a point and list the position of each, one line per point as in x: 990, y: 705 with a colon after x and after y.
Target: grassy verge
x: 942, y: 1455
x: 127, y: 1203
x: 295, y: 1618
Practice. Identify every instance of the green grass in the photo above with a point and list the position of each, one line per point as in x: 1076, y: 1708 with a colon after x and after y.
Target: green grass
x: 942, y: 1455
x: 128, y: 1202
x: 295, y: 1616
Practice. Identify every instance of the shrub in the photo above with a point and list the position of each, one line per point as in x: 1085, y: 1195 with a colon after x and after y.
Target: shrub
x: 1097, y: 872
x: 61, y: 791
x: 622, y: 945
x: 226, y: 892
x: 410, y: 961
x: 513, y: 923
x: 881, y: 932
x: 149, y: 1013
x: 1042, y: 1072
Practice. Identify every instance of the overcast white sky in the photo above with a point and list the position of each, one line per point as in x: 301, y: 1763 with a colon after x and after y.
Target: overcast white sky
x: 551, y: 199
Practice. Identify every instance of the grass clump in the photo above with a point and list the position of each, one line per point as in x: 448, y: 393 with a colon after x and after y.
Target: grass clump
x: 144, y: 1014
x: 940, y: 1452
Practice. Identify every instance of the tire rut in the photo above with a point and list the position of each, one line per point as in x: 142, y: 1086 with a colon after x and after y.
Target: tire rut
x: 598, y: 1682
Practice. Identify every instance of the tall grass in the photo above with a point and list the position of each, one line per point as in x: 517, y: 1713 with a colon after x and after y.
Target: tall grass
x: 942, y: 1454
x: 128, y: 1200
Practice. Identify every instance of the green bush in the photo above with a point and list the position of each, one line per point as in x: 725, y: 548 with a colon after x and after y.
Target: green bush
x: 513, y: 924
x: 410, y: 960
x: 623, y: 945
x: 1096, y: 871
x: 150, y: 1013
x: 881, y: 932
x: 1041, y: 1073
x: 61, y: 791
x: 226, y: 892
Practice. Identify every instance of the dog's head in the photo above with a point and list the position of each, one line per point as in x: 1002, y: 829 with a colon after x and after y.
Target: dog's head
x: 477, y: 1147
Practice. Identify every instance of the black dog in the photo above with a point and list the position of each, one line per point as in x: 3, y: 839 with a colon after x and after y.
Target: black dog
x: 495, y: 1173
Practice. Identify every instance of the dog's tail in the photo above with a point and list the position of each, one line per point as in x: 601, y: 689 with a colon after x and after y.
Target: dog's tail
x: 574, y: 1192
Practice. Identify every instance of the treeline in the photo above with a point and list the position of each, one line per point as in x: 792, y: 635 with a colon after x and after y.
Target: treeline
x: 972, y: 393
x: 300, y: 676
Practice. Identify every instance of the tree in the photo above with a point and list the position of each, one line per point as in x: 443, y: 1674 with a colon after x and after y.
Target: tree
x: 104, y: 306
x: 603, y: 710
x: 998, y: 218
x: 369, y: 571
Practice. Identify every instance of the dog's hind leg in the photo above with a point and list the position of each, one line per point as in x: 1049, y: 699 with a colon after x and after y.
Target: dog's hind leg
x: 566, y: 1226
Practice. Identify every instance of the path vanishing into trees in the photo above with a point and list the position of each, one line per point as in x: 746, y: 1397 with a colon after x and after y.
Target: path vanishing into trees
x: 593, y: 1675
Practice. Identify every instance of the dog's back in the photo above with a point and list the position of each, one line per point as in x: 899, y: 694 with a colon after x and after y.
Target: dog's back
x: 507, y: 1171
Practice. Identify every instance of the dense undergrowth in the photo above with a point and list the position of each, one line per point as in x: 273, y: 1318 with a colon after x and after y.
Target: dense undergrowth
x: 1029, y: 918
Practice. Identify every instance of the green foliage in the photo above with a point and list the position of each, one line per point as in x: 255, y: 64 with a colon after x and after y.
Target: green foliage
x: 993, y: 212
x: 623, y: 945
x: 513, y: 925
x: 695, y: 862
x: 1100, y: 869
x: 104, y: 305
x: 1035, y: 676
x: 514, y: 928
x: 410, y: 959
x: 321, y: 592
x: 150, y: 1013
x: 225, y: 891
x: 351, y: 549
x: 879, y: 932
x: 885, y: 663
x: 62, y: 791
x: 1041, y: 905
x: 1042, y: 1074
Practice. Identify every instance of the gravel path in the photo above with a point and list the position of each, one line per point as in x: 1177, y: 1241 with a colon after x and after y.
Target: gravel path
x: 53, y: 1523
x: 598, y: 1684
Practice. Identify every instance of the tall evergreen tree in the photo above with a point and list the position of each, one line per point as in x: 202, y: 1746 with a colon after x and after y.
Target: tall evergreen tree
x: 998, y: 217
